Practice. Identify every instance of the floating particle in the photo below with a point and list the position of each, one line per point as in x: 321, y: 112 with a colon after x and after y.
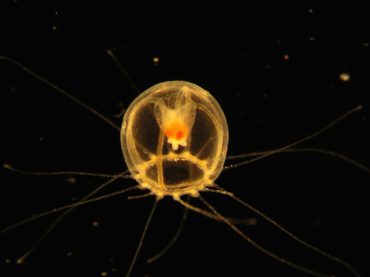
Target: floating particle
x: 344, y: 77
x: 156, y: 60
x: 71, y: 180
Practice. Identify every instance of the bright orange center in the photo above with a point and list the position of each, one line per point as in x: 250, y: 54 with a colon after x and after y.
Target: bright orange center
x: 176, y: 130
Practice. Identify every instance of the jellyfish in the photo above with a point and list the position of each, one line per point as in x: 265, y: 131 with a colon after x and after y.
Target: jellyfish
x: 174, y: 139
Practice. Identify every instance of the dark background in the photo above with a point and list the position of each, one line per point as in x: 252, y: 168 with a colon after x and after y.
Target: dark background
x: 275, y: 70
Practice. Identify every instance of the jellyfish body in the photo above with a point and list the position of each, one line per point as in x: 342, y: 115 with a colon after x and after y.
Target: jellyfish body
x: 174, y: 138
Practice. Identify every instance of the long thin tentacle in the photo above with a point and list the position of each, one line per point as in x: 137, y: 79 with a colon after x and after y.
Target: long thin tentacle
x: 173, y: 240
x: 261, y: 248
x: 61, y: 217
x: 238, y: 221
x: 125, y: 174
x: 123, y: 71
x: 62, y: 92
x: 62, y: 208
x: 142, y: 238
x: 284, y: 230
x: 308, y: 149
x: 311, y: 136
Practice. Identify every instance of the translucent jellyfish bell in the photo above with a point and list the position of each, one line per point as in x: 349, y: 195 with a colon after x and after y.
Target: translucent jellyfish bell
x: 174, y: 139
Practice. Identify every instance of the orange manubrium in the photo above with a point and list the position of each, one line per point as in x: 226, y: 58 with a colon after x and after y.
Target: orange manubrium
x: 176, y: 130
